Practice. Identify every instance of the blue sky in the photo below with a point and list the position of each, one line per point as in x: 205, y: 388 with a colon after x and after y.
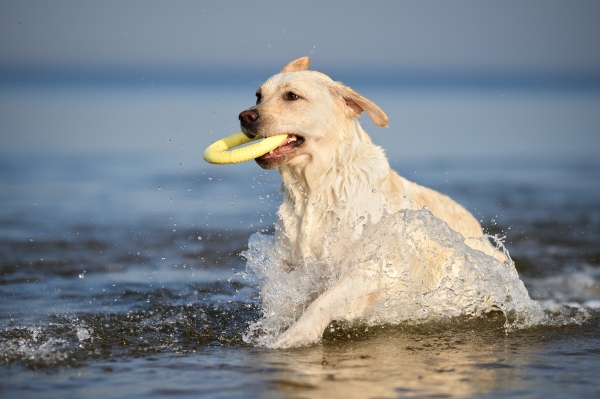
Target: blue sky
x: 381, y: 35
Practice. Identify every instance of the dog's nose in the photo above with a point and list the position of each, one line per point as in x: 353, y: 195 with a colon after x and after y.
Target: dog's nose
x: 248, y: 117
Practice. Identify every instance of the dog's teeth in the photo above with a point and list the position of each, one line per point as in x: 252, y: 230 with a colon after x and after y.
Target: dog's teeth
x: 293, y: 138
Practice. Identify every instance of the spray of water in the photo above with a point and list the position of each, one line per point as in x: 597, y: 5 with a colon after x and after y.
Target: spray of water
x: 423, y: 269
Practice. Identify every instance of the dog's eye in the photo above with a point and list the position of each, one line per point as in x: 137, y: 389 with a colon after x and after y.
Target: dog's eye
x: 291, y: 96
x: 258, y: 97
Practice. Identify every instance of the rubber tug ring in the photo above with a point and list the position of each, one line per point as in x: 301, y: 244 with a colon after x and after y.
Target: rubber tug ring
x: 217, y: 152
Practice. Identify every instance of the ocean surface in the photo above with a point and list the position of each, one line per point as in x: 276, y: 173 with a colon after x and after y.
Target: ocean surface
x: 122, y: 268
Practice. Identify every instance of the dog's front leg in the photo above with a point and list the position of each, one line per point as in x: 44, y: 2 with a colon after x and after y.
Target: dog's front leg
x: 348, y: 299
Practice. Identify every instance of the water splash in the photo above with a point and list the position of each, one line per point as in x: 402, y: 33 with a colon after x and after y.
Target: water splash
x: 162, y: 328
x: 402, y: 248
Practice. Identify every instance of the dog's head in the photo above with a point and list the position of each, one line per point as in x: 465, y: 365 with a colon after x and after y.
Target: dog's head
x: 315, y: 112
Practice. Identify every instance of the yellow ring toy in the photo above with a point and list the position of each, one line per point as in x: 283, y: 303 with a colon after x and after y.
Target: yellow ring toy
x: 217, y: 151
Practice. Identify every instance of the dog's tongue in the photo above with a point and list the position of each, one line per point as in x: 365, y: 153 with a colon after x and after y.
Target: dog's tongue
x: 284, y: 147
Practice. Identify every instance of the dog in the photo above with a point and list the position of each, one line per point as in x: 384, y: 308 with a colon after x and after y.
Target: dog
x: 333, y: 175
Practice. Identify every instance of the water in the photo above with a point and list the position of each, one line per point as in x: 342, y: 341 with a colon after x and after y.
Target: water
x: 122, y: 275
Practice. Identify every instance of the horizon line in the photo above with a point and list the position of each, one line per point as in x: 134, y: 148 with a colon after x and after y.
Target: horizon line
x: 12, y: 77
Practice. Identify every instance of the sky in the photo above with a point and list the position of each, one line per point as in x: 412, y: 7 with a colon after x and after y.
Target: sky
x: 399, y: 35
x: 242, y: 43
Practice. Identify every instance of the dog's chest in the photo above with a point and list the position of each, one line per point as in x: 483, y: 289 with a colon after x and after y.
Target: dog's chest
x: 316, y: 229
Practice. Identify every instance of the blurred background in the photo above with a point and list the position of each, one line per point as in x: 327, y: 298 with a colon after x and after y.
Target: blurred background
x: 106, y: 107
x: 461, y: 78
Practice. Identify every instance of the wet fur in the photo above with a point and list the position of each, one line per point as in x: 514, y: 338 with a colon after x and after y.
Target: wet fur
x: 335, y: 177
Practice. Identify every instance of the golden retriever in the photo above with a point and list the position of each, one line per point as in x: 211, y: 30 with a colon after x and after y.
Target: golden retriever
x: 333, y: 175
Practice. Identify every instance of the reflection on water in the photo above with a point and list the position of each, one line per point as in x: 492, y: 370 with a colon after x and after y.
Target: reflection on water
x: 464, y: 359
x: 393, y: 362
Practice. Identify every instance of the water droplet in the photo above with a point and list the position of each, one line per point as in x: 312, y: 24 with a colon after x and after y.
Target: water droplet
x: 31, y: 239
x: 83, y: 334
x: 81, y: 275
x: 159, y: 188
x: 199, y: 238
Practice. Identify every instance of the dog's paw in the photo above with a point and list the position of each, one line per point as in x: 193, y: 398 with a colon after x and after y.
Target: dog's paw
x: 297, y: 336
x: 309, y: 328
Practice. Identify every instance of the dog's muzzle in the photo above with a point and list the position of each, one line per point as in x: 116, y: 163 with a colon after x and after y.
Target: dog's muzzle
x: 249, y: 120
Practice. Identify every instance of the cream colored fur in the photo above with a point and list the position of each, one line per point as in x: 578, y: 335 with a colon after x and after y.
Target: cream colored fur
x: 333, y: 179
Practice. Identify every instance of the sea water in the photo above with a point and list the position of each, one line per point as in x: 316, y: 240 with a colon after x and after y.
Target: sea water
x: 137, y: 275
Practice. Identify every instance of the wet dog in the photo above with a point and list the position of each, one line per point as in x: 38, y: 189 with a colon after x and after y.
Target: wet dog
x: 333, y: 176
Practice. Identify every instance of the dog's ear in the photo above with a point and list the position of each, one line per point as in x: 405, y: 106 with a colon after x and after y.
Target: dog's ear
x: 301, y: 64
x: 357, y: 104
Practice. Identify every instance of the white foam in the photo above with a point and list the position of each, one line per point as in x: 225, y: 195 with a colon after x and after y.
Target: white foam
x: 572, y: 288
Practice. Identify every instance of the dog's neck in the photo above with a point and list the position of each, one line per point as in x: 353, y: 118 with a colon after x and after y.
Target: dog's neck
x: 334, y: 192
x: 316, y: 175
